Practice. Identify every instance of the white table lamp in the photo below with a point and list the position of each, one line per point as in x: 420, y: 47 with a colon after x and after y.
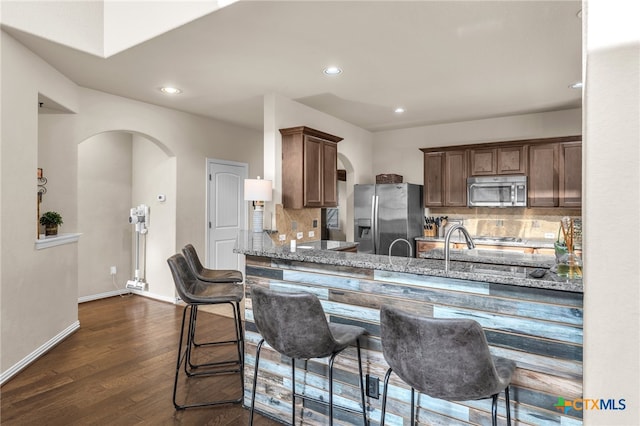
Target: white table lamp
x: 257, y: 190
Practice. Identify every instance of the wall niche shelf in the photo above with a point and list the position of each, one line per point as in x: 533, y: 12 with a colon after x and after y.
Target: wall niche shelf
x: 56, y: 240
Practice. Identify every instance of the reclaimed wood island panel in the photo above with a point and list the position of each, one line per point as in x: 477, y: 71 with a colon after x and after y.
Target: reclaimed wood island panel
x: 536, y: 323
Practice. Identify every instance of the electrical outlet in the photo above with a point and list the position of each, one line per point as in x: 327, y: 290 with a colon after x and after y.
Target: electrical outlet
x: 282, y: 237
x: 113, y: 270
x: 373, y: 387
x: 312, y: 234
x: 300, y: 235
x: 550, y: 235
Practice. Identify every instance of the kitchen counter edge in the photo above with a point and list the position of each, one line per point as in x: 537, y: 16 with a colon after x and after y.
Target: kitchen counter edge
x: 431, y: 267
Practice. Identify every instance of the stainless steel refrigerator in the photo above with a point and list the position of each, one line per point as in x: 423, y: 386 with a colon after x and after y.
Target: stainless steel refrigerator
x: 385, y: 212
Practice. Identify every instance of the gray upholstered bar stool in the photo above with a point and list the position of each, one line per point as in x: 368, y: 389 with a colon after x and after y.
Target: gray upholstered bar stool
x: 295, y: 325
x: 212, y: 276
x: 197, y: 293
x: 444, y: 358
x: 209, y: 275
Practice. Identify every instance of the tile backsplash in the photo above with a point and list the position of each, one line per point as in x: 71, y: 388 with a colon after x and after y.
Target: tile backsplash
x: 290, y: 222
x: 517, y: 222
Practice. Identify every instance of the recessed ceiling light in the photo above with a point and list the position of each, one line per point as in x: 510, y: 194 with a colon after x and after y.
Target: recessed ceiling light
x: 399, y: 110
x: 576, y: 85
x: 332, y: 70
x: 170, y: 90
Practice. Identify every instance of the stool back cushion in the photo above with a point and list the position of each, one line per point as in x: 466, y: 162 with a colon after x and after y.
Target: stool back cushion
x: 294, y: 324
x: 193, y: 260
x: 443, y: 358
x: 183, y: 277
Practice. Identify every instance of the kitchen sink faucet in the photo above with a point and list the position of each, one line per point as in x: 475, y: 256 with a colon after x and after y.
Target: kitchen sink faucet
x: 447, y: 239
x: 406, y: 241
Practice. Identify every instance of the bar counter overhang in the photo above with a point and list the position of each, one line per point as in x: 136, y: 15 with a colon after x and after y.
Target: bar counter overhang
x: 535, y: 322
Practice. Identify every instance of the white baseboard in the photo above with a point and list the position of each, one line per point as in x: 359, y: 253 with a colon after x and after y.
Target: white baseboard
x: 159, y: 297
x: 102, y: 295
x: 16, y: 368
x: 143, y: 293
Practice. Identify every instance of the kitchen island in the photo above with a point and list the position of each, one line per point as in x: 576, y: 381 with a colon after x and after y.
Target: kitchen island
x: 535, y: 322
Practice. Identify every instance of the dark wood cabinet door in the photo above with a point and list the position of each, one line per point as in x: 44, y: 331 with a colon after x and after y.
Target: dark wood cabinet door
x: 425, y: 246
x: 483, y: 162
x: 433, y: 179
x: 309, y: 168
x: 329, y: 174
x: 543, y: 175
x: 312, y: 175
x: 455, y: 180
x: 570, y: 174
x: 512, y: 160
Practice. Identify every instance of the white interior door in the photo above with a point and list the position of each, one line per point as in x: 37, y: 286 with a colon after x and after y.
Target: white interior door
x: 227, y: 213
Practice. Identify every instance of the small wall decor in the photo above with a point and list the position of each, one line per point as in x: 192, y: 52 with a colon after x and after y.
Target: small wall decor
x: 51, y: 221
x: 42, y: 189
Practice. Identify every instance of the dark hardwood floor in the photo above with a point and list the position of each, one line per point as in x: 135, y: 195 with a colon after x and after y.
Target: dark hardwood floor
x: 118, y: 369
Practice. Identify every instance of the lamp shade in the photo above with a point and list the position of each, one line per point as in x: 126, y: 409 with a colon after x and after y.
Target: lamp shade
x: 257, y: 189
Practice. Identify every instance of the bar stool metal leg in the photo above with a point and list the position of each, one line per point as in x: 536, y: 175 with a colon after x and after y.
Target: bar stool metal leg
x: 255, y: 381
x: 384, y: 395
x: 413, y: 406
x: 190, y: 369
x: 293, y: 391
x: 180, y: 357
x: 360, y: 379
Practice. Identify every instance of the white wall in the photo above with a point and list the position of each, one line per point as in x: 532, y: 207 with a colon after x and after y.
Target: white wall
x: 117, y: 171
x: 190, y: 139
x: 354, y: 150
x: 38, y: 287
x: 154, y: 172
x: 397, y: 151
x: 612, y: 190
x: 104, y: 200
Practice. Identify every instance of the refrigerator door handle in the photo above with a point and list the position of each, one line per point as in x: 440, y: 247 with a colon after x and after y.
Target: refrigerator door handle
x: 373, y: 222
x: 376, y: 230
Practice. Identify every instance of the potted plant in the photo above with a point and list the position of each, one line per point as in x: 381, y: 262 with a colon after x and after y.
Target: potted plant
x: 51, y: 221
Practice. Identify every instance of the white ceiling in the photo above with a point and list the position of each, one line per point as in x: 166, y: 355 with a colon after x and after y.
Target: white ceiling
x: 443, y: 61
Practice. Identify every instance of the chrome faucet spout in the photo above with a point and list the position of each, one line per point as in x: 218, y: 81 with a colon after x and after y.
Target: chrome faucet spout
x: 447, y: 240
x: 401, y: 239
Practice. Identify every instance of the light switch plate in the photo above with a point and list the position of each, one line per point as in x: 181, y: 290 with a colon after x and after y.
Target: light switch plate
x: 282, y: 237
x: 299, y: 235
x: 312, y: 234
x: 549, y: 235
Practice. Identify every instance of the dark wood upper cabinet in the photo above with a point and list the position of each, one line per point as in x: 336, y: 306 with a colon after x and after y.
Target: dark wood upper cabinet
x: 309, y: 168
x: 555, y: 172
x: 433, y: 179
x: 512, y: 160
x: 330, y: 174
x: 445, y: 179
x: 455, y: 182
x: 507, y: 160
x: 553, y: 167
x: 570, y: 174
x: 543, y: 175
x: 483, y: 161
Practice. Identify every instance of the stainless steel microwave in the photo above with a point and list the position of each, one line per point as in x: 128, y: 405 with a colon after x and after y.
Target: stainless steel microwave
x: 497, y: 191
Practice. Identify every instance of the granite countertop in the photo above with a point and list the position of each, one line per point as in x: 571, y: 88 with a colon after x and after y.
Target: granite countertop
x: 261, y: 245
x: 497, y: 257
x: 520, y: 242
x: 326, y: 245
